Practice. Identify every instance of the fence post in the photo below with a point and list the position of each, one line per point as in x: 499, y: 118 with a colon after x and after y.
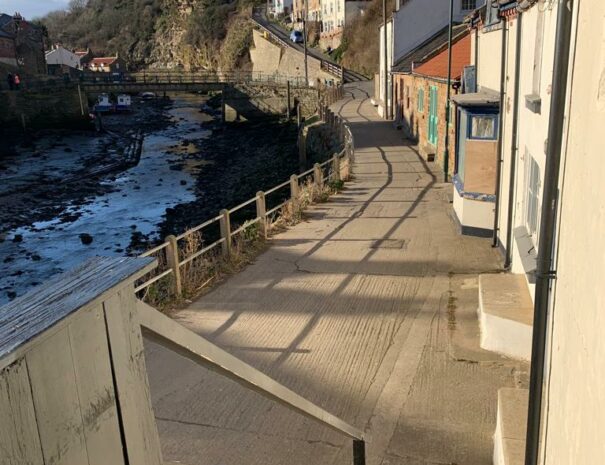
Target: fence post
x: 261, y: 212
x: 294, y: 191
x: 359, y: 452
x: 172, y: 256
x: 226, y: 232
x: 318, y: 176
x: 336, y: 167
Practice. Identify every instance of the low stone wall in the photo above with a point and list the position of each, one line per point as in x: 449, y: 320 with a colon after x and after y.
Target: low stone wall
x: 42, y: 109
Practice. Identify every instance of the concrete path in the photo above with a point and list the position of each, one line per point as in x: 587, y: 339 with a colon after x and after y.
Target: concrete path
x: 368, y: 309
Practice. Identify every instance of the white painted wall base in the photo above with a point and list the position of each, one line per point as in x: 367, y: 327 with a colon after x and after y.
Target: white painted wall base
x: 509, y: 438
x: 471, y: 213
x: 505, y: 315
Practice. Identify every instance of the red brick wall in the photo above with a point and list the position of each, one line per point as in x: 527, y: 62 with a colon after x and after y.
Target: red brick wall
x: 415, y: 122
x: 7, y: 48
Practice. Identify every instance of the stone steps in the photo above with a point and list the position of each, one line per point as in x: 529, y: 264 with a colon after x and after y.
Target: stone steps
x: 511, y: 427
x: 506, y: 315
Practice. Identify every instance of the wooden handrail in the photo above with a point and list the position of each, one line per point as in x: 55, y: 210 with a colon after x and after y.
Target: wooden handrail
x: 175, y: 337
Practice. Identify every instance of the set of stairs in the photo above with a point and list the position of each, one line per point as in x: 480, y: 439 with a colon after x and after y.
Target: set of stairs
x: 506, y: 322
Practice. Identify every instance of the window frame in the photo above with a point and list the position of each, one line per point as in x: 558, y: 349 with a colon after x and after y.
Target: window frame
x: 469, y: 127
x: 420, y: 100
x: 468, y: 2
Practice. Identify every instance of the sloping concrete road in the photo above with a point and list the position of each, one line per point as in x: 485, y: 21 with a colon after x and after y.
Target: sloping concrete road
x: 368, y: 309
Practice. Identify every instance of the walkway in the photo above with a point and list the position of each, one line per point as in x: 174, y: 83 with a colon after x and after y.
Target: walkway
x: 368, y: 309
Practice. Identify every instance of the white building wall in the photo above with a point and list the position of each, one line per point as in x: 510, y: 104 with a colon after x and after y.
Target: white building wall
x: 490, y: 45
x: 62, y: 56
x: 389, y: 38
x: 419, y: 20
x: 574, y: 415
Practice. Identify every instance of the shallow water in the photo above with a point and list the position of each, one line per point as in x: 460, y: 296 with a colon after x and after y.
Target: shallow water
x: 136, y: 202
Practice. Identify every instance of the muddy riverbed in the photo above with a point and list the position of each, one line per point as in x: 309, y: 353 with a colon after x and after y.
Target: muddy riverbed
x: 54, y: 214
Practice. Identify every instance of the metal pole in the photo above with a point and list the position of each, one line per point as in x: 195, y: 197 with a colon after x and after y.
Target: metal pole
x: 500, y: 134
x: 514, y: 151
x: 359, y: 452
x: 305, y: 41
x: 386, y: 66
x: 446, y: 155
x: 550, y: 201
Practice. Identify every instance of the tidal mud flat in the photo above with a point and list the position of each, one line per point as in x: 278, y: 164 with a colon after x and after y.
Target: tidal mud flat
x: 53, y: 216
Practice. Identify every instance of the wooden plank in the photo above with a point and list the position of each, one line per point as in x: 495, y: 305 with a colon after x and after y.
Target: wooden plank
x: 19, y: 440
x: 128, y: 360
x: 96, y: 391
x: 26, y: 318
x: 480, y: 166
x: 185, y: 342
x: 56, y: 402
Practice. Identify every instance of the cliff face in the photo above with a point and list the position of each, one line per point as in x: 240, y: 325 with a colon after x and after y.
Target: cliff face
x: 188, y: 34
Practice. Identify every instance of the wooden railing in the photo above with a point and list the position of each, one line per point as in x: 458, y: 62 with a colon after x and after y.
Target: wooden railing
x: 74, y: 387
x: 337, y: 168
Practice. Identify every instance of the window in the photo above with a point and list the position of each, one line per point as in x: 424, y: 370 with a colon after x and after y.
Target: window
x: 483, y: 127
x: 469, y: 4
x: 532, y: 193
x: 420, y: 100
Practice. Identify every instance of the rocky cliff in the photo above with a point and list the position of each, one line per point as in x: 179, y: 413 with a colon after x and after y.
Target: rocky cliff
x: 188, y: 34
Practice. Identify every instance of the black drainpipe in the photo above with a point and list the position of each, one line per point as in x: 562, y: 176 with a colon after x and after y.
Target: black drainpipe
x: 500, y: 131
x: 544, y: 270
x: 514, y: 151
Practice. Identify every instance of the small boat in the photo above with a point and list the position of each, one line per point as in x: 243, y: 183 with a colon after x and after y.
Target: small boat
x: 103, y: 104
x: 147, y: 95
x: 124, y: 102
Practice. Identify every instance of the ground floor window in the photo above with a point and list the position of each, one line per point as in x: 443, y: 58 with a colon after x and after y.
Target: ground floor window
x: 532, y: 194
x: 420, y: 100
x: 483, y: 127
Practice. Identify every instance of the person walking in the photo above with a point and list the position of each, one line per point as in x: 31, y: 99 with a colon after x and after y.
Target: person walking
x: 17, y: 80
x: 11, y: 81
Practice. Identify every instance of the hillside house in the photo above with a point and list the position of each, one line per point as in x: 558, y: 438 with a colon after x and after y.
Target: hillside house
x: 416, y: 22
x: 85, y: 56
x: 420, y: 92
x: 27, y: 43
x: 107, y: 65
x: 335, y: 15
x: 61, y: 61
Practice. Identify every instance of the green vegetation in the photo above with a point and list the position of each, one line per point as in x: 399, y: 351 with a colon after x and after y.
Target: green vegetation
x: 160, y: 33
x: 360, y: 48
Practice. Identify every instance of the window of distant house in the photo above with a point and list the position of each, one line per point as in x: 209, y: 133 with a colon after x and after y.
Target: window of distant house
x: 532, y: 180
x: 420, y: 100
x: 483, y: 127
x: 469, y: 4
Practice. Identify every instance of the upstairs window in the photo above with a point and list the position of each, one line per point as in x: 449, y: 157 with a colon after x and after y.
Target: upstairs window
x: 469, y: 4
x: 483, y: 127
x: 492, y: 15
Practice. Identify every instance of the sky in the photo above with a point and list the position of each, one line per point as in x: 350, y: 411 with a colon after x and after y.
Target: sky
x: 31, y: 8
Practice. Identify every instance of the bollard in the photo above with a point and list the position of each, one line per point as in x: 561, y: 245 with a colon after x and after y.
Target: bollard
x: 336, y: 167
x: 318, y: 177
x: 294, y: 191
x: 261, y: 212
x: 225, y: 224
x: 172, y: 257
x: 359, y: 452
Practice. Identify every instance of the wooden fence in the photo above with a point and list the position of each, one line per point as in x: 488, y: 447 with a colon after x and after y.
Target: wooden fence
x: 337, y: 168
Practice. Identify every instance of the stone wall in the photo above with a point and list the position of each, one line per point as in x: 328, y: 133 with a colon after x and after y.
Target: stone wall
x: 269, y: 58
x: 41, y: 109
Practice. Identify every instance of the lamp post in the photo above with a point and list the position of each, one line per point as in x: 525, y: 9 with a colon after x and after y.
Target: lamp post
x: 446, y: 155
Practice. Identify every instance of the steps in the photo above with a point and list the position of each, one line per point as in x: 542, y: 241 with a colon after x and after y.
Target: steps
x: 511, y: 427
x: 506, y: 315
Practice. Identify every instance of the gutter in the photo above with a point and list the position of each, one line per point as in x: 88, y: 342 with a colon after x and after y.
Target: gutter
x: 514, y: 151
x: 500, y: 133
x: 545, y: 271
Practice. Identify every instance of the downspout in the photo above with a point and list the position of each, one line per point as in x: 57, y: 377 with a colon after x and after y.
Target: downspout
x: 446, y: 154
x: 514, y: 151
x: 500, y: 133
x: 386, y: 61
x: 544, y: 270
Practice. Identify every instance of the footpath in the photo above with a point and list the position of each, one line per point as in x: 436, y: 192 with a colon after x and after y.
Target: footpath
x: 367, y: 308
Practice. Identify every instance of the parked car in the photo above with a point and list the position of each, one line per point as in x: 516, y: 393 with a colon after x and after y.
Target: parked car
x: 296, y: 37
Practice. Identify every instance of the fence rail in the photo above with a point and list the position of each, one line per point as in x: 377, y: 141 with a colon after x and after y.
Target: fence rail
x: 339, y: 168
